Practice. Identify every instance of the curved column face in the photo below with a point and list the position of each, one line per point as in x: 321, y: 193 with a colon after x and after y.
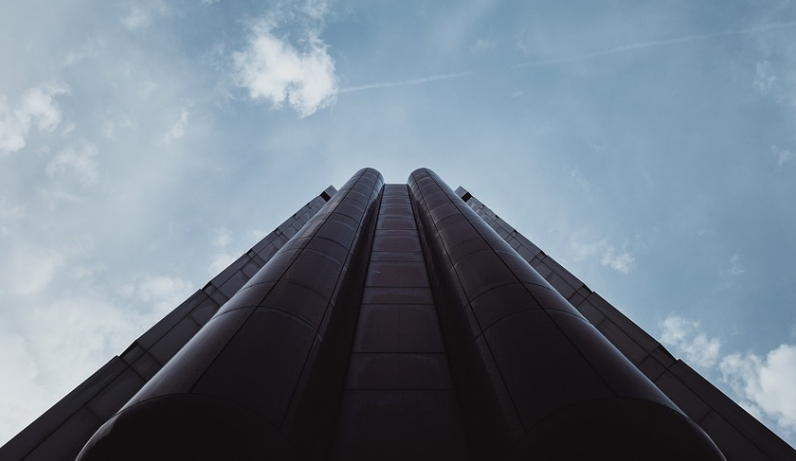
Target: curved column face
x: 535, y: 379
x: 263, y: 378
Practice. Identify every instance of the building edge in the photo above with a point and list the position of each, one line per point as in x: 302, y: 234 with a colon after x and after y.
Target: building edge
x: 61, y: 432
x: 739, y: 435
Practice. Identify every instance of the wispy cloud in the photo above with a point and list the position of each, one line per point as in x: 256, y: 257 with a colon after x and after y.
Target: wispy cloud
x: 84, y: 320
x: 735, y: 266
x: 77, y: 160
x: 783, y: 156
x: 9, y: 212
x: 220, y: 261
x: 658, y: 43
x: 483, y: 44
x: 142, y: 15
x: 764, y: 77
x: 414, y: 81
x: 222, y: 238
x: 90, y: 49
x: 178, y: 129
x: 29, y: 269
x: 610, y: 256
x: 37, y: 107
x: 687, y: 338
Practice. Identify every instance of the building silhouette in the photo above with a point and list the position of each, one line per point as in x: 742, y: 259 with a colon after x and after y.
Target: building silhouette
x: 397, y: 321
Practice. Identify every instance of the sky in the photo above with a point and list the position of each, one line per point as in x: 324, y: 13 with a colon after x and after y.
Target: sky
x: 648, y: 146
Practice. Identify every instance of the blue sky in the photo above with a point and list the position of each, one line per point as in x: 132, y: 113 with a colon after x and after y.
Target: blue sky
x: 648, y: 146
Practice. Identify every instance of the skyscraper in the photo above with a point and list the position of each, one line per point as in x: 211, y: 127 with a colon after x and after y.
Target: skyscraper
x: 395, y: 322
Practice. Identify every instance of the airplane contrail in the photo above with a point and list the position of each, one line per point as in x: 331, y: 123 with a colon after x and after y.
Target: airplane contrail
x: 596, y: 54
x: 657, y: 43
x: 415, y: 81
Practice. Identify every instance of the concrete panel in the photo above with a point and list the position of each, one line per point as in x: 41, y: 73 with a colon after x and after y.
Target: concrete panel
x: 66, y: 442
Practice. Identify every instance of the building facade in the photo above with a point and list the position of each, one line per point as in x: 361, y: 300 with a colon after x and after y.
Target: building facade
x: 395, y: 321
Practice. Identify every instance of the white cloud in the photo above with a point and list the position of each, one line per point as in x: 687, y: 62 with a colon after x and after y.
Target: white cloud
x: 764, y: 78
x: 783, y: 155
x: 177, y: 131
x: 37, y: 104
x: 77, y: 161
x: 273, y: 70
x: 623, y: 262
x: 685, y: 336
x: 35, y: 107
x: 609, y: 256
x: 766, y: 382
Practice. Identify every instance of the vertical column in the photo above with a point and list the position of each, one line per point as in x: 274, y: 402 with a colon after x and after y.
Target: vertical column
x: 263, y: 378
x: 398, y: 402
x: 535, y: 379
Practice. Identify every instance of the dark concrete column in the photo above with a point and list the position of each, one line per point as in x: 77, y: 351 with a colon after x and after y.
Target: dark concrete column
x: 263, y: 379
x: 535, y: 380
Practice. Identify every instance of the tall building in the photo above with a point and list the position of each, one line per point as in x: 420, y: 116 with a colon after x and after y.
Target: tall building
x: 398, y: 321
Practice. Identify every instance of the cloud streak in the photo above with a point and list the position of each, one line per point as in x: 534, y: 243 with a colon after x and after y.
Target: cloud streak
x: 410, y: 82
